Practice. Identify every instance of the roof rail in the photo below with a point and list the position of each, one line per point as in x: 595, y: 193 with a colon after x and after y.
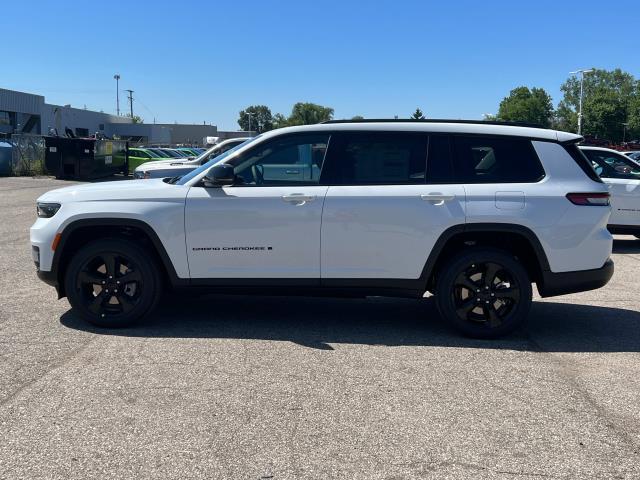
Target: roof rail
x: 439, y: 120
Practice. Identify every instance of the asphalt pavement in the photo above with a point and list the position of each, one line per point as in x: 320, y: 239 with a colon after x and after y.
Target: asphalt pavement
x: 232, y: 387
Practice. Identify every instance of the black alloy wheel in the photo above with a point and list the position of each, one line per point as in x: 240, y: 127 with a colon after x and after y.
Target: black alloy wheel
x: 484, y: 292
x: 112, y: 283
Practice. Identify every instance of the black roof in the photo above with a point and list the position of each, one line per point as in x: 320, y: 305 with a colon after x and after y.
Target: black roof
x: 438, y: 120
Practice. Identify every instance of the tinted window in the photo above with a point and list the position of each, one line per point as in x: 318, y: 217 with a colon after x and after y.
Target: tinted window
x: 496, y: 160
x: 287, y: 160
x: 377, y: 159
x: 611, y: 165
x: 439, y: 165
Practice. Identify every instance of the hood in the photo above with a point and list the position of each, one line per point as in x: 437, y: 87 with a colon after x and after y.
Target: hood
x: 163, y: 164
x: 109, y: 191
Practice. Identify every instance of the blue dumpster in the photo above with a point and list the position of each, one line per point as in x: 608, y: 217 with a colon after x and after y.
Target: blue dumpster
x: 6, y: 151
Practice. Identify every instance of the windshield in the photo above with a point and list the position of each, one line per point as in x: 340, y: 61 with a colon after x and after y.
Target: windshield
x: 212, y: 162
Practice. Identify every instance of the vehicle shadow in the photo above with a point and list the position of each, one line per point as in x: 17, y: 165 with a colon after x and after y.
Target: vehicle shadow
x: 626, y: 245
x: 318, y: 323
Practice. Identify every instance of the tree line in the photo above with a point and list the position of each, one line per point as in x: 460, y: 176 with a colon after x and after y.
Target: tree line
x: 610, y: 107
x: 258, y: 118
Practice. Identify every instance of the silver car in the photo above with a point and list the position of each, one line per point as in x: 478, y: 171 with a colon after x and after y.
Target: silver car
x: 172, y: 167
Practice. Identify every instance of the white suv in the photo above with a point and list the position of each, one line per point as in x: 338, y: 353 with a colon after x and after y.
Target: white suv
x: 622, y: 175
x: 472, y: 212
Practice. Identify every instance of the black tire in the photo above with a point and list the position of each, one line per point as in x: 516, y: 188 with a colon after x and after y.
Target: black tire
x: 484, y: 292
x: 112, y: 283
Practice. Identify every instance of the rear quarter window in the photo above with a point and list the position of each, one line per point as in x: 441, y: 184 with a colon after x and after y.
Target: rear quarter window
x: 481, y: 159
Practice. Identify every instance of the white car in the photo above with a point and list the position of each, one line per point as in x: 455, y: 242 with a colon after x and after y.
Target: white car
x: 633, y: 155
x: 172, y: 167
x: 622, y: 175
x: 472, y: 212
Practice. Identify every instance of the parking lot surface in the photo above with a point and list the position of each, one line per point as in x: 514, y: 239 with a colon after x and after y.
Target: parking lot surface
x: 289, y: 388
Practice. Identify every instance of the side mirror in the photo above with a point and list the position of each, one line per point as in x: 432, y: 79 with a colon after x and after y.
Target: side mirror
x: 219, y: 175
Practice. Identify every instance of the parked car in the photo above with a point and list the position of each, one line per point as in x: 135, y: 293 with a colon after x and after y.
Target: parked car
x: 173, y: 153
x: 190, y: 152
x: 138, y: 156
x: 173, y: 167
x: 472, y: 212
x: 635, y: 155
x: 622, y: 175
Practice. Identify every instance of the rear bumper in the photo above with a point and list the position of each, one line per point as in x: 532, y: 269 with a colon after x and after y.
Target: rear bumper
x: 571, y: 282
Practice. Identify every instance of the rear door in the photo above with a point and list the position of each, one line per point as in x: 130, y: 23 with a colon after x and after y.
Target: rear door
x: 623, y: 177
x: 500, y: 175
x: 386, y: 206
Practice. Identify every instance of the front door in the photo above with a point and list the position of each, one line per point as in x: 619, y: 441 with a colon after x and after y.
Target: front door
x: 266, y: 225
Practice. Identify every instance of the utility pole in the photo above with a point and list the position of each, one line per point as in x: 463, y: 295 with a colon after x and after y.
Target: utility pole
x: 250, y: 114
x: 581, y: 72
x: 624, y: 131
x: 117, y: 77
x: 130, y: 102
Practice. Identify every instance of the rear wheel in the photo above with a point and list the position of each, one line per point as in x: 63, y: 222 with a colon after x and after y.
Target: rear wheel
x: 112, y: 283
x: 484, y: 293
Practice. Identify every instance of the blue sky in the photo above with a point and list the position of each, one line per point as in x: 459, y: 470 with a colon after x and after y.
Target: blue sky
x: 195, y: 61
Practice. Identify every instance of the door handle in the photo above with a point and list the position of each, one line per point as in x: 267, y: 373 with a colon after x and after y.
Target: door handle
x: 292, y: 172
x: 298, y: 198
x: 437, y: 198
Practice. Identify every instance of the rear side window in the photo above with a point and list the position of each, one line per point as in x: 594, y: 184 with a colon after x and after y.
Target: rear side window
x: 376, y: 159
x: 439, y: 162
x: 583, y: 162
x: 496, y: 160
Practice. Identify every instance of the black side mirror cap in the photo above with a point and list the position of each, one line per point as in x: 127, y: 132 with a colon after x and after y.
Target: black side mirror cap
x: 219, y: 175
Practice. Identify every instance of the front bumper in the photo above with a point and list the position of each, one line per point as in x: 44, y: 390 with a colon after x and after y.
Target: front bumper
x: 571, y: 282
x: 50, y: 278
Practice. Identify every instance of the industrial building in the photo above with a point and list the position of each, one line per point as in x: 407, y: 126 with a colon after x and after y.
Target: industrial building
x: 29, y: 113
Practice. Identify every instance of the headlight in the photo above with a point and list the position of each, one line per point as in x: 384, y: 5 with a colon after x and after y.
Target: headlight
x: 47, y: 210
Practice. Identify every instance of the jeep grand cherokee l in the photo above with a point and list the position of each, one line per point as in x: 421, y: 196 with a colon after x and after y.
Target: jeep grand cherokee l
x: 472, y: 212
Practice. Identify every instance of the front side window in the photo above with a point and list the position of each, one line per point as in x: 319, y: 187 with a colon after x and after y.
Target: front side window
x: 290, y: 160
x: 611, y: 165
x: 496, y: 160
x: 377, y: 159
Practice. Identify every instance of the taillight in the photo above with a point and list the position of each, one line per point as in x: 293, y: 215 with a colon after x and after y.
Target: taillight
x: 594, y: 199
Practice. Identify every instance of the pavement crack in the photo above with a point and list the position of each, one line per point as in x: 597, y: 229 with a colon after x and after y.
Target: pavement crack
x: 57, y: 365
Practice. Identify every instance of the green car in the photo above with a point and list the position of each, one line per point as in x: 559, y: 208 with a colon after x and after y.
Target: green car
x: 190, y: 152
x: 137, y: 156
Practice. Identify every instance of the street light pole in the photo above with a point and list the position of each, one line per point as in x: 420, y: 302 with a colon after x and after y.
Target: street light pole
x: 249, y: 114
x: 581, y: 72
x: 117, y: 77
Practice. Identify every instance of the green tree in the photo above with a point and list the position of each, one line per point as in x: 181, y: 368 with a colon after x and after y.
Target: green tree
x: 279, y: 121
x: 633, y: 117
x: 309, y: 113
x: 256, y: 118
x: 524, y: 105
x: 357, y: 117
x: 418, y: 115
x: 609, y: 99
x: 136, y: 119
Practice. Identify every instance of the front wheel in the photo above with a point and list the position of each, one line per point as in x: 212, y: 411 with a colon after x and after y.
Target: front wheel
x: 484, y: 292
x: 112, y: 283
